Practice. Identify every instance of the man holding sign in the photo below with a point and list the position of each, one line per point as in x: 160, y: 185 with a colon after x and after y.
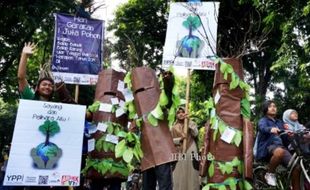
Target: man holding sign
x: 43, y: 92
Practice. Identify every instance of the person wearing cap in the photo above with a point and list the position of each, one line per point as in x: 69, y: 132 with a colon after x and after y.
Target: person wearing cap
x: 185, y: 176
x: 45, y: 86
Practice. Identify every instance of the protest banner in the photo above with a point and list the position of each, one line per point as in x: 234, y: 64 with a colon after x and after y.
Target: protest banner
x: 191, y: 35
x: 47, y: 145
x: 77, y: 50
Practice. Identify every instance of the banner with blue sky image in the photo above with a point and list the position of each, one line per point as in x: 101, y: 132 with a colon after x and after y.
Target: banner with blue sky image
x: 191, y: 35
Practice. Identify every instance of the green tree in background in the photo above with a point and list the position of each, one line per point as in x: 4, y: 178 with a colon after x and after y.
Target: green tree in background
x: 291, y: 67
x: 140, y: 30
x: 23, y: 21
x: 7, y: 118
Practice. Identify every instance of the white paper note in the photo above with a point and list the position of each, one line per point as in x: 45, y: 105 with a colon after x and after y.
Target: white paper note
x: 217, y: 97
x: 228, y: 135
x: 105, y: 107
x: 155, y: 114
x: 91, y: 145
x: 120, y: 86
x: 121, y: 104
x: 212, y: 114
x: 114, y: 101
x: 128, y: 95
x: 111, y: 138
x: 119, y: 112
x: 216, y: 124
x: 102, y: 127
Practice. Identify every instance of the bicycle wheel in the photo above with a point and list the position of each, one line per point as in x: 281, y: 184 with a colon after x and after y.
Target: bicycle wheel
x: 304, y: 184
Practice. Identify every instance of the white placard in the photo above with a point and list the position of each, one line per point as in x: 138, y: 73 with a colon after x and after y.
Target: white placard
x: 102, y: 126
x: 105, y: 107
x: 114, y: 101
x: 29, y: 162
x: 91, y: 145
x: 120, y: 86
x: 228, y: 135
x: 191, y: 40
x: 111, y: 138
x: 119, y: 112
x: 217, y: 97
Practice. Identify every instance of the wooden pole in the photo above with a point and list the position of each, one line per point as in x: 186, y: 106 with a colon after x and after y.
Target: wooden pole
x: 186, y: 120
x: 76, y: 95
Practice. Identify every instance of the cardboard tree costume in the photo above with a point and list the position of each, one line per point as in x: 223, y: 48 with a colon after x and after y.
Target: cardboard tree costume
x: 229, y: 133
x: 156, y: 141
x: 103, y: 162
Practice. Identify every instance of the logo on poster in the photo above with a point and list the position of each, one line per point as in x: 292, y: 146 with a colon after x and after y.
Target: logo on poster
x: 15, y: 178
x: 70, y: 180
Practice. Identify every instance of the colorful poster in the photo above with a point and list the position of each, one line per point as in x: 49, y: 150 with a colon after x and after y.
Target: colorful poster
x: 77, y: 51
x: 191, y: 35
x: 47, y: 145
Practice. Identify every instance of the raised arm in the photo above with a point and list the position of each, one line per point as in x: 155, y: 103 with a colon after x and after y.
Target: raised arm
x: 21, y: 74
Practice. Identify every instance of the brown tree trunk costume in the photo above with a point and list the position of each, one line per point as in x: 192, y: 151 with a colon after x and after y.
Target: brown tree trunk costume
x: 157, y: 144
x: 105, y: 90
x: 228, y: 108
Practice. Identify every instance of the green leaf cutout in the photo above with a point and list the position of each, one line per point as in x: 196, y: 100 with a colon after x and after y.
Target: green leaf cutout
x: 152, y: 120
x: 120, y: 148
x: 245, y: 108
x: 211, y: 169
x: 128, y: 155
x: 237, y: 138
x: 247, y: 185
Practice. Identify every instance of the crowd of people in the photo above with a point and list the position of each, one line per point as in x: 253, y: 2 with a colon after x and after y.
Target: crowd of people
x: 271, y: 147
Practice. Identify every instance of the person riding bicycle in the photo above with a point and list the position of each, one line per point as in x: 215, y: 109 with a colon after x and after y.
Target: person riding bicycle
x: 290, y: 118
x: 270, y: 145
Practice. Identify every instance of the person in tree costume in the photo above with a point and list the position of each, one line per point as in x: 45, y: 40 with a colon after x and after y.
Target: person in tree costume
x: 110, y: 163
x: 227, y: 154
x: 156, y: 140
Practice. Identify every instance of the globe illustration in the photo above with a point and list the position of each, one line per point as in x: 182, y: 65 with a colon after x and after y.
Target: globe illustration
x: 46, y: 154
x: 191, y: 44
x: 47, y: 151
